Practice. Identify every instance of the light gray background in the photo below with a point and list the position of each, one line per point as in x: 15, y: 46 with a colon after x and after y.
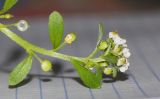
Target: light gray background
x: 141, y: 32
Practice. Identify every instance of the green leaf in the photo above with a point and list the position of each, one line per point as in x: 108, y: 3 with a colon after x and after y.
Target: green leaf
x: 20, y: 71
x: 56, y: 28
x: 8, y: 5
x: 90, y: 79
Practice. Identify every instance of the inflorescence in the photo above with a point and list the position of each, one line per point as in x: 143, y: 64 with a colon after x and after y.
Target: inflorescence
x: 113, y: 57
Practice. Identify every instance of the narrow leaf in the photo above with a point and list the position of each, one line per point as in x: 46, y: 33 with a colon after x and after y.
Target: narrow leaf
x: 56, y: 28
x: 90, y: 79
x: 8, y: 5
x: 20, y: 71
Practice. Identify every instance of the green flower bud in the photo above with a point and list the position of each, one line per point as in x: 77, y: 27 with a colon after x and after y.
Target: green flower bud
x: 70, y: 38
x: 103, y: 45
x: 103, y: 64
x: 6, y: 16
x: 46, y: 65
x: 89, y: 64
x: 107, y: 71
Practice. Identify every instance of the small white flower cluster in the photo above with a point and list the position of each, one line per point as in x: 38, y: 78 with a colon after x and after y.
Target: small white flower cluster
x: 122, y: 62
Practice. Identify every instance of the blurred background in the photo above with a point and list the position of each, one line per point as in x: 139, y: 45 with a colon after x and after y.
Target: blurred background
x: 69, y: 7
x: 136, y: 20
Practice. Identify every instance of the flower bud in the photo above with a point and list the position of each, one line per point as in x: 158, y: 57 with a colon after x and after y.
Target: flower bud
x: 22, y: 25
x: 46, y: 65
x: 6, y: 16
x: 107, y: 71
x: 70, y: 38
x: 103, y: 64
x: 103, y: 45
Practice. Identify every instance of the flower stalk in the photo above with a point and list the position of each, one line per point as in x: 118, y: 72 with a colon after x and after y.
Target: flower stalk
x: 113, y: 58
x: 28, y: 46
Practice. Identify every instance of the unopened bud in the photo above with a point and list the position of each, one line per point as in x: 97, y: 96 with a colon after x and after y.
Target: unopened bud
x: 103, y: 45
x: 46, y: 65
x: 107, y: 71
x: 103, y: 64
x: 70, y: 38
x: 6, y: 16
x: 22, y: 25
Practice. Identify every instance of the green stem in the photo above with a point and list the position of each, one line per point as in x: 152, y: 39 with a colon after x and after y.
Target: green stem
x: 61, y: 46
x: 93, y: 53
x: 108, y: 50
x: 101, y: 32
x: 38, y: 58
x: 28, y: 46
x: 99, y: 59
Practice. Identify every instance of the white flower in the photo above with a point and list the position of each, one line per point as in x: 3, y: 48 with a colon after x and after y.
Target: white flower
x: 126, y: 52
x: 113, y: 35
x: 121, y: 61
x: 116, y: 38
x: 124, y: 45
x: 22, y: 25
x: 119, y: 41
x: 124, y: 67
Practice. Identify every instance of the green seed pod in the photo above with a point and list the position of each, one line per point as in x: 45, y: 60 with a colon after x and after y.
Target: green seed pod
x: 107, y: 71
x: 70, y: 38
x: 46, y: 65
x: 103, y: 45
